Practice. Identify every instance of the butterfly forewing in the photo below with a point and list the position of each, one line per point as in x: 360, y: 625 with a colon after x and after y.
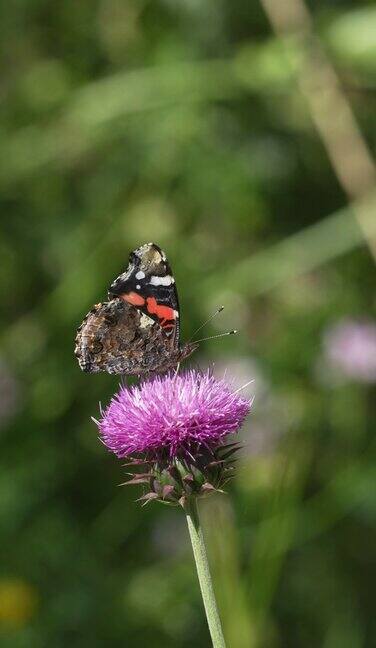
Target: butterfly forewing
x: 149, y: 285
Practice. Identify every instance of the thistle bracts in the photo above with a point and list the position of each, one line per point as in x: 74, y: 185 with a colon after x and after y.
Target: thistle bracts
x: 197, y: 474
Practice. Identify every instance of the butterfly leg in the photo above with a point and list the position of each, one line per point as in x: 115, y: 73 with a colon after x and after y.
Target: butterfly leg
x: 177, y: 369
x: 123, y: 380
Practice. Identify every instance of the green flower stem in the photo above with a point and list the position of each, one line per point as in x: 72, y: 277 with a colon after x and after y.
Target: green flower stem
x: 202, y: 565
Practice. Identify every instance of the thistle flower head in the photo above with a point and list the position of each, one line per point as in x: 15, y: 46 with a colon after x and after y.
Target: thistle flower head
x: 172, y: 414
x: 177, y: 424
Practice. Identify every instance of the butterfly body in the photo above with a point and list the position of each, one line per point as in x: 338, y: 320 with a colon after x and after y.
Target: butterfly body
x: 137, y: 330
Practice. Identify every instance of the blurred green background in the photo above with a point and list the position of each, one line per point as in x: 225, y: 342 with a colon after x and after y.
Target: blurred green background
x: 181, y: 122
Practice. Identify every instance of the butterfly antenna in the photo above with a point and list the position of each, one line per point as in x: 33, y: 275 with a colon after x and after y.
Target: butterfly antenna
x: 219, y: 310
x: 213, y: 337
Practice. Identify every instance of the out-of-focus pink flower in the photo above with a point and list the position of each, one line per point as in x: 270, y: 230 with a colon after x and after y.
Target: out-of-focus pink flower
x: 350, y: 349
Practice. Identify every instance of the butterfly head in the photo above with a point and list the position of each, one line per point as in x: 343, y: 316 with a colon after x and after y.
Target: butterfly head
x: 186, y: 350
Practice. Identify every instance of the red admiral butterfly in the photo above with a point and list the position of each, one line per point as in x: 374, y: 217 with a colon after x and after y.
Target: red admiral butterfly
x: 137, y: 330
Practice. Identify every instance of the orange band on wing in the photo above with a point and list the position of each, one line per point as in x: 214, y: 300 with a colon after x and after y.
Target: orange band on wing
x: 162, y: 312
x: 133, y: 298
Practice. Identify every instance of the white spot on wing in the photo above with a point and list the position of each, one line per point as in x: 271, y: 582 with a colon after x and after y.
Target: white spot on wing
x: 162, y: 281
x: 146, y: 321
x: 140, y: 275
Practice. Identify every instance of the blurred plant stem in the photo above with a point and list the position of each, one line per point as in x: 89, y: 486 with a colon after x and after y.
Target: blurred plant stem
x: 328, y: 106
x: 203, y: 572
x: 98, y: 113
x: 223, y: 541
x: 274, y: 535
x: 300, y: 253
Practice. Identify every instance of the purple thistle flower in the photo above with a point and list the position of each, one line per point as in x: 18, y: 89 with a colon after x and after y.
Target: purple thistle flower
x: 172, y: 416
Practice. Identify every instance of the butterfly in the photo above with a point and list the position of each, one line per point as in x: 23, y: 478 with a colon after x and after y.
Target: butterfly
x: 137, y: 331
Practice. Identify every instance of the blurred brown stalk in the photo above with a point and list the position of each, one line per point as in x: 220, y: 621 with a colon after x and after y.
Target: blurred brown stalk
x: 330, y: 110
